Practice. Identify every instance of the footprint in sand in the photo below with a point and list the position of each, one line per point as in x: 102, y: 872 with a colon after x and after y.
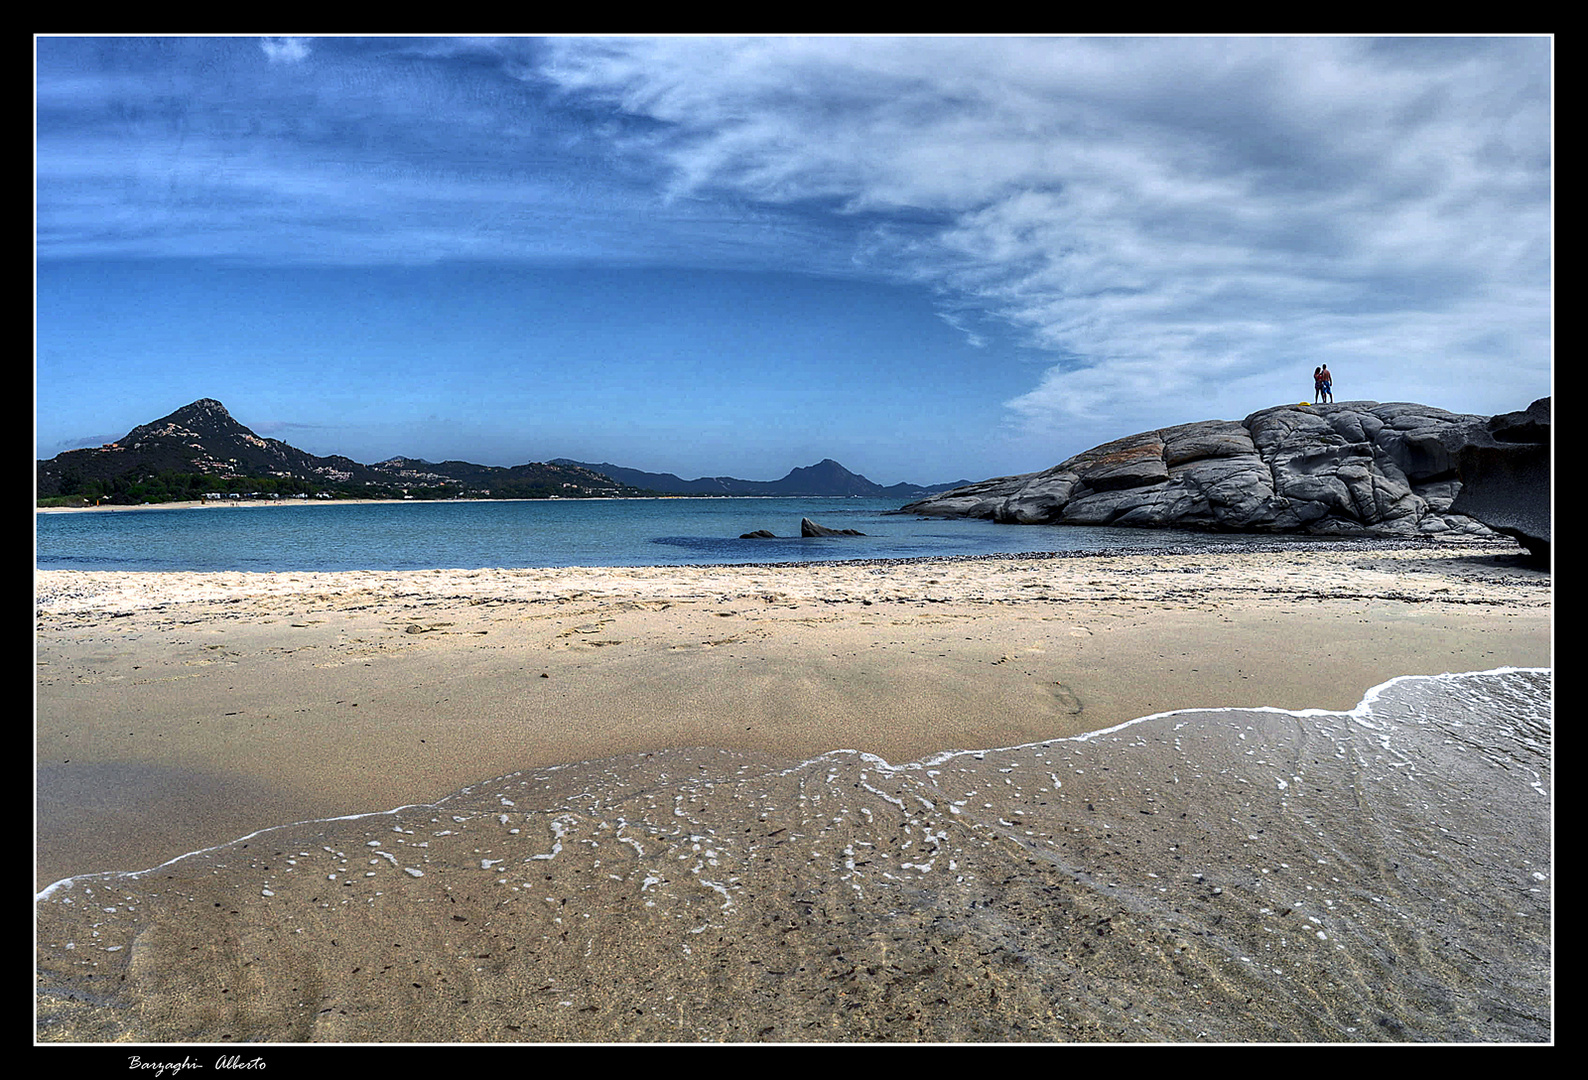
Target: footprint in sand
x: 1066, y: 700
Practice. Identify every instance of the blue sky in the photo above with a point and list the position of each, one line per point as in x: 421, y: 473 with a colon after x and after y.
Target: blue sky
x: 930, y: 258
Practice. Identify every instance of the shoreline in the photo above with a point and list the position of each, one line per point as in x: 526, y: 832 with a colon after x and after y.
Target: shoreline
x: 921, y: 764
x: 1204, y: 876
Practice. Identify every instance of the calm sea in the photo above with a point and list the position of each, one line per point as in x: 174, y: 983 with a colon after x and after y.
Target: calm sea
x: 584, y: 532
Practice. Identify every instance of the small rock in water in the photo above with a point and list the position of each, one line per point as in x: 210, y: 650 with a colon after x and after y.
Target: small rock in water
x: 810, y: 528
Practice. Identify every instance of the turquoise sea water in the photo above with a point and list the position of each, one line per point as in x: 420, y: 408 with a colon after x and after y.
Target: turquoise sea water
x: 585, y: 532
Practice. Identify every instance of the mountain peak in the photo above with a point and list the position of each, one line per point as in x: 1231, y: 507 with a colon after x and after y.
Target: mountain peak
x: 825, y: 467
x: 203, y: 407
x: 204, y: 418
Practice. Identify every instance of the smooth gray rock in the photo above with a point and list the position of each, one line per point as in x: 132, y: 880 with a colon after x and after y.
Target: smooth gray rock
x: 1351, y: 468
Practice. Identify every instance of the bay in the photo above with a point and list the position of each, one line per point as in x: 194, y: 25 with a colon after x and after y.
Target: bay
x: 539, y: 533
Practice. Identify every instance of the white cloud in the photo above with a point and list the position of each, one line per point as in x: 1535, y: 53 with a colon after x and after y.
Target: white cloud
x: 285, y: 50
x: 959, y: 323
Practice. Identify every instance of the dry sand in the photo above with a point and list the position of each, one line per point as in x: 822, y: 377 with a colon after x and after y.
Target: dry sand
x: 176, y: 712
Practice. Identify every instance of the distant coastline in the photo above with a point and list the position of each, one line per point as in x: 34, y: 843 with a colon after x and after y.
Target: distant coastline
x: 205, y: 504
x: 197, y: 504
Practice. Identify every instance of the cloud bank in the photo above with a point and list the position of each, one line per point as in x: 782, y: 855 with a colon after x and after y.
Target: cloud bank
x: 1176, y: 220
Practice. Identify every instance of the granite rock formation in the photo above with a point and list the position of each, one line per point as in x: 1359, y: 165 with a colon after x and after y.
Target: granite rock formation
x: 1352, y: 468
x: 1506, y: 484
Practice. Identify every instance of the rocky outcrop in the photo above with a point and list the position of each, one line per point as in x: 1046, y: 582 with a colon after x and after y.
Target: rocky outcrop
x: 810, y: 528
x: 1340, y: 469
x: 1506, y: 484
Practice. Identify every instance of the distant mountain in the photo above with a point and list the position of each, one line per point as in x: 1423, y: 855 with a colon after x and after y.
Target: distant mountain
x: 199, y: 439
x: 515, y: 481
x: 199, y: 448
x: 825, y: 478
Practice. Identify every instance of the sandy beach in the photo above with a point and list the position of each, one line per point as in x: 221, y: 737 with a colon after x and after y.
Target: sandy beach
x: 177, y: 712
x: 210, y: 504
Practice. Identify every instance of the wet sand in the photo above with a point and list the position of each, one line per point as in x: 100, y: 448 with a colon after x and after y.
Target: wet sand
x: 180, y: 711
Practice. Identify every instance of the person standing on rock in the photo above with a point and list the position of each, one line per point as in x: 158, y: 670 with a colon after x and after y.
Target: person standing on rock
x: 1328, y: 384
x: 1317, y: 385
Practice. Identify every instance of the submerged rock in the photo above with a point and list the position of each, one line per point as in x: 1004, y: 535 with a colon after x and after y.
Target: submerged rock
x: 759, y: 534
x: 1353, y: 468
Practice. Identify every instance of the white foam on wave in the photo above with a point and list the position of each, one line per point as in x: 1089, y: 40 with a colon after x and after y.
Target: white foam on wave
x: 68, y: 882
x: 1361, y: 714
